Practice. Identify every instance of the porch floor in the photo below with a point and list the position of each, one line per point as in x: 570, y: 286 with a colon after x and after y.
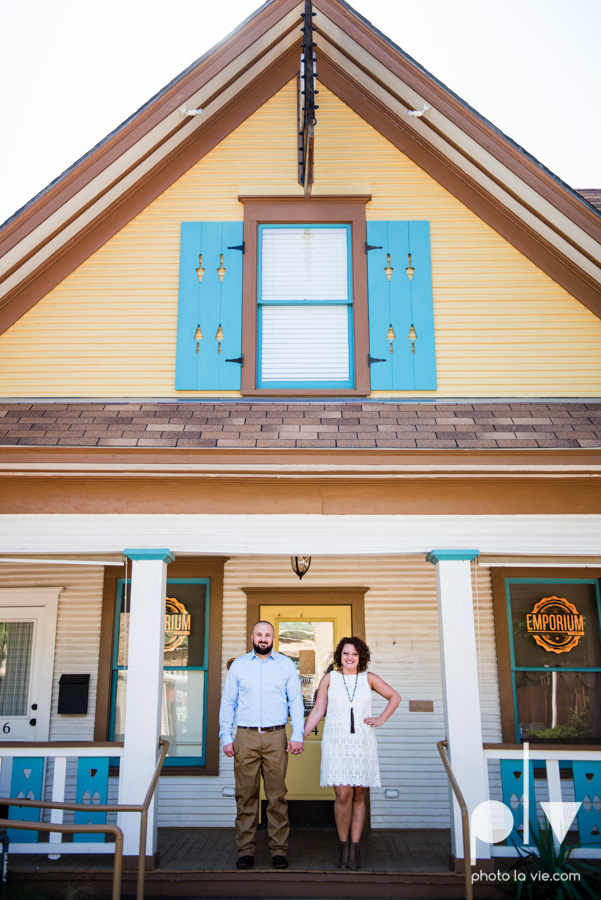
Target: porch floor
x: 423, y: 851
x: 201, y: 863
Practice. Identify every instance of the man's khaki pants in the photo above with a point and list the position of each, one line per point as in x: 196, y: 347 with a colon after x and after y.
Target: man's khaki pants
x: 257, y: 754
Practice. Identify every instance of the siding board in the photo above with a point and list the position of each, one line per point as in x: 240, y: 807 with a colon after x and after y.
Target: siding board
x: 503, y: 327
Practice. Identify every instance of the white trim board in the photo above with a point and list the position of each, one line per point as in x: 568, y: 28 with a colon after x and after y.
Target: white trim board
x: 265, y: 535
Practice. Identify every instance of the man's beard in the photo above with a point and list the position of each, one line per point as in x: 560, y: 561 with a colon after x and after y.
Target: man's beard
x: 263, y: 651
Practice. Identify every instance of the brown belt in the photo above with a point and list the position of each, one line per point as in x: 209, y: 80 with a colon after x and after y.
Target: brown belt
x: 261, y: 730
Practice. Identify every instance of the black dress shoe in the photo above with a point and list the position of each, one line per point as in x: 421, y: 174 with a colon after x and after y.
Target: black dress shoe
x: 245, y: 862
x: 280, y: 862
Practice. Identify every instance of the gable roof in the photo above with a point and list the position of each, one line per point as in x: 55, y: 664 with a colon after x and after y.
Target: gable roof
x: 592, y: 196
x: 543, y: 218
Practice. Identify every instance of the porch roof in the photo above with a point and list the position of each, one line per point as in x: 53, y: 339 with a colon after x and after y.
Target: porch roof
x: 303, y: 425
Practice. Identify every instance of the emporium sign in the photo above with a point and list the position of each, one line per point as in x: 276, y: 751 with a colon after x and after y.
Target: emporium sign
x: 555, y: 624
x: 177, y: 624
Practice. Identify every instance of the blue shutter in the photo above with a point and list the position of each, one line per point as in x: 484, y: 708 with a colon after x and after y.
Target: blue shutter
x: 209, y: 304
x: 401, y: 304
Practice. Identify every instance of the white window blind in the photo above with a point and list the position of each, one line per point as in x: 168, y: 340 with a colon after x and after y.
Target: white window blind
x: 305, y: 343
x: 305, y: 304
x: 304, y: 264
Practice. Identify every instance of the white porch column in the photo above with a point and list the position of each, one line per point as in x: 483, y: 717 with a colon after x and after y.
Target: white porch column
x: 461, y: 696
x: 144, y: 691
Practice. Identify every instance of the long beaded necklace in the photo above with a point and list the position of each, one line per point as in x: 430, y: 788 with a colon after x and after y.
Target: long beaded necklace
x: 350, y: 699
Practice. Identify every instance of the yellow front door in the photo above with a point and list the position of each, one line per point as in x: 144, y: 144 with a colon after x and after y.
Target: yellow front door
x: 308, y: 635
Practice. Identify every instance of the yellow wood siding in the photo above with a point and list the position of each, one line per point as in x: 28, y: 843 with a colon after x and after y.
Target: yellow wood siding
x: 503, y: 327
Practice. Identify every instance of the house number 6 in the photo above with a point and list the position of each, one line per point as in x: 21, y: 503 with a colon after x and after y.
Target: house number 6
x: 6, y: 728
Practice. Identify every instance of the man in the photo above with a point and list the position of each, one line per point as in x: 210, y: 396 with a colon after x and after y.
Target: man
x: 261, y: 689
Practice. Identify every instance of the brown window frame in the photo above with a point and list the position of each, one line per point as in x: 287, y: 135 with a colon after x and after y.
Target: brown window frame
x: 508, y: 725
x: 341, y: 209
x: 200, y: 567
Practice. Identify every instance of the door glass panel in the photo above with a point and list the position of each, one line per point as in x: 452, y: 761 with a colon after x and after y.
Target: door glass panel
x: 15, y: 665
x: 310, y: 645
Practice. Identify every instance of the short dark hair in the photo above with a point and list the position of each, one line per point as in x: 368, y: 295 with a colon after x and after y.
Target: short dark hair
x: 262, y: 622
x: 361, y: 648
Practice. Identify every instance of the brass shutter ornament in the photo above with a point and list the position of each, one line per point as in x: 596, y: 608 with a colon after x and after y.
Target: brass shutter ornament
x: 409, y: 269
x: 198, y: 336
x: 391, y: 336
x: 219, y: 337
x: 200, y: 271
x: 221, y: 272
x: 388, y: 268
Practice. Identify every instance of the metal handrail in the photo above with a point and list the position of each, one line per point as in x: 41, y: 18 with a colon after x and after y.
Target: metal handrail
x: 467, y: 862
x: 101, y: 807
x: 79, y: 829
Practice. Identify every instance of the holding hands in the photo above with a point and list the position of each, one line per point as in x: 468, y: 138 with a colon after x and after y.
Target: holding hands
x: 295, y: 747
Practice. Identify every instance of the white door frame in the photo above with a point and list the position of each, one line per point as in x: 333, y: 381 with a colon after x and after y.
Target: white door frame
x: 39, y: 604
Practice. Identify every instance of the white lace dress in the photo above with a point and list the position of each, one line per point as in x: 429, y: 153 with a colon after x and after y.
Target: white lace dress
x: 349, y: 759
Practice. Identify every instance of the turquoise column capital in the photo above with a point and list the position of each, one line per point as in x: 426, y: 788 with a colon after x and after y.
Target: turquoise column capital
x: 165, y: 556
x: 436, y: 556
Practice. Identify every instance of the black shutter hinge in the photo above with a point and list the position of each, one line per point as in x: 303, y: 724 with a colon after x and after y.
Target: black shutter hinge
x: 239, y: 359
x: 238, y: 247
x: 369, y: 247
x: 372, y: 359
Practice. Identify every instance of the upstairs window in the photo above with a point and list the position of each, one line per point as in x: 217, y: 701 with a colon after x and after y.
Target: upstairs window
x: 305, y: 315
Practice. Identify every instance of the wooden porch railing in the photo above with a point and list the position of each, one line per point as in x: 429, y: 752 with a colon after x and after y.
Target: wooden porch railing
x: 557, y: 789
x: 465, y: 819
x: 58, y: 805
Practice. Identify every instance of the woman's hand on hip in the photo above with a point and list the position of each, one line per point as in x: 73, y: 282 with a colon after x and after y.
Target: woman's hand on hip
x: 373, y: 721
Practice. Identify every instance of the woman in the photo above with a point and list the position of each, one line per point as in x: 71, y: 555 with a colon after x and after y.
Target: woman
x: 349, y: 751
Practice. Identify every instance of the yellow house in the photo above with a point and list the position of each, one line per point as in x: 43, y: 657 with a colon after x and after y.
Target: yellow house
x: 305, y: 301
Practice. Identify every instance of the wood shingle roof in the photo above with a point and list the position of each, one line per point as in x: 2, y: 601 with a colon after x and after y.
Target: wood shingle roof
x: 303, y: 425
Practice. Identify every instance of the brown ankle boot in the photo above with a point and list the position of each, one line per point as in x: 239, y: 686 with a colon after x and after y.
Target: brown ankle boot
x: 343, y: 853
x: 354, y: 857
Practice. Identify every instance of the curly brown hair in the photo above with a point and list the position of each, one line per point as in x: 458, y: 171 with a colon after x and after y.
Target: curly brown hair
x: 361, y: 648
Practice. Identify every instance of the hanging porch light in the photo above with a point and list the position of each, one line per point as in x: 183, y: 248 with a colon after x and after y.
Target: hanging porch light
x: 300, y: 565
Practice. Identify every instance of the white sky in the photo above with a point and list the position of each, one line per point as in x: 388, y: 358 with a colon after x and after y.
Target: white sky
x: 72, y: 70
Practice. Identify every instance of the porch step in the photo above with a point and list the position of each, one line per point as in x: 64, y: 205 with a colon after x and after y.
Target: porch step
x: 289, y: 884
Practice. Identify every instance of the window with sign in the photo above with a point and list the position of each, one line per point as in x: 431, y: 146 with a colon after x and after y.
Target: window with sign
x: 555, y: 645
x: 183, y: 711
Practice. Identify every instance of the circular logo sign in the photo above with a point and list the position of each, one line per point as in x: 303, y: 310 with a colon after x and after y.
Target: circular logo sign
x: 555, y: 624
x: 177, y: 624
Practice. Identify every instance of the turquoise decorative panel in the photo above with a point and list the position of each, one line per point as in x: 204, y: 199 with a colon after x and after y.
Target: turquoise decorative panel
x: 92, y: 788
x: 213, y: 302
x: 26, y: 781
x: 401, y: 304
x: 587, y: 789
x: 512, y: 781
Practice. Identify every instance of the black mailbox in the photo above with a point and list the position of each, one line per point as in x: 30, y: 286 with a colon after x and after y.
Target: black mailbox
x: 73, y: 695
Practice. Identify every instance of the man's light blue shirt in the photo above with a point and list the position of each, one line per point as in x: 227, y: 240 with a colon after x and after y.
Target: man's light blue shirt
x: 260, y: 694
